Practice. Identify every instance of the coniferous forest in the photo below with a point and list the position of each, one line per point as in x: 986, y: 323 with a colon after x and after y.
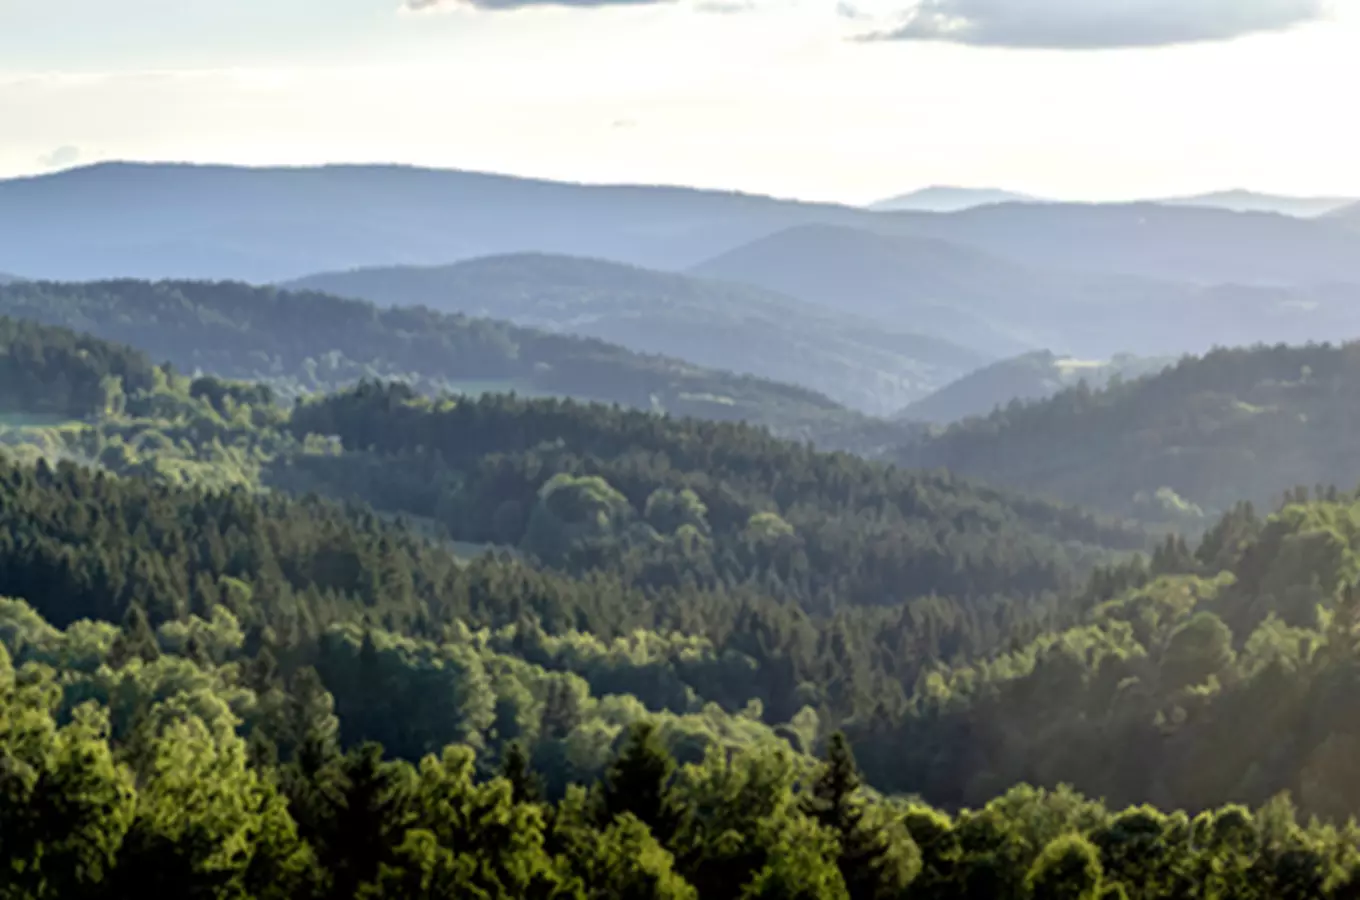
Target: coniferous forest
x: 390, y: 642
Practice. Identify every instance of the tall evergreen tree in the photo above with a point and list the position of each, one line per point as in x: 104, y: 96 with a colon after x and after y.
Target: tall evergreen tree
x: 638, y: 781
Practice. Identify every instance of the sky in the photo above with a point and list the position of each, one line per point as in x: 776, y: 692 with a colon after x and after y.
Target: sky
x: 842, y: 100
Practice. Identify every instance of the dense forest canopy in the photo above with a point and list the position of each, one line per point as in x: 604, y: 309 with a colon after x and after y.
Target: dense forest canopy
x: 246, y: 653
x: 259, y: 642
x: 1180, y: 446
x: 857, y: 361
x: 592, y: 486
x: 300, y: 342
x: 58, y: 372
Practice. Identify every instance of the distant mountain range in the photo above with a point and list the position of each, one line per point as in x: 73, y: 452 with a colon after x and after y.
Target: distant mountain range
x: 871, y: 309
x: 950, y: 199
x: 1177, y: 243
x: 1250, y: 201
x: 956, y: 199
x: 1005, y: 308
x: 856, y: 361
x: 6, y: 278
x: 1033, y: 376
x: 273, y: 224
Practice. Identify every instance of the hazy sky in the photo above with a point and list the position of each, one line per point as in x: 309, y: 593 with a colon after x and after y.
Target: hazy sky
x: 811, y: 98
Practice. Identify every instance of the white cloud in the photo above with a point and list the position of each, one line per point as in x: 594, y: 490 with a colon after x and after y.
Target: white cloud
x: 60, y: 158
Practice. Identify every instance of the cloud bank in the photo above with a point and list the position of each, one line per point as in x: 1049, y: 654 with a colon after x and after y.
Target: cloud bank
x: 1039, y: 24
x: 1097, y: 24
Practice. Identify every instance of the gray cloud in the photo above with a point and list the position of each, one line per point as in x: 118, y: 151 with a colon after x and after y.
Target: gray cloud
x: 1097, y: 24
x: 60, y: 158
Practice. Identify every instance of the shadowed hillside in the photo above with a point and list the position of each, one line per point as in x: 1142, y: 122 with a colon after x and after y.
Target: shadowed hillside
x: 303, y: 342
x: 1245, y: 424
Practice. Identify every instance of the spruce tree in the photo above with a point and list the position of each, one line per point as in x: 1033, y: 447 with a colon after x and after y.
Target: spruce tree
x: 877, y: 861
x: 638, y: 781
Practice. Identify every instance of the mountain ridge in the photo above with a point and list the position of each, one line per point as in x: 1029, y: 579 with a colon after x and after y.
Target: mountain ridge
x: 1245, y: 200
x: 303, y: 341
x: 944, y: 198
x: 989, y: 301
x: 276, y: 223
x: 740, y: 328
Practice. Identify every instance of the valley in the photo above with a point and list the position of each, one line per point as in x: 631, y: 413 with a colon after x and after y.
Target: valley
x: 371, y: 531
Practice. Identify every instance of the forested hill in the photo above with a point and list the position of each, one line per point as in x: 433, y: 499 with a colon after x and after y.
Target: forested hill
x: 190, y: 679
x: 669, y: 501
x: 857, y: 361
x: 45, y: 370
x: 1033, y: 376
x: 1242, y: 424
x: 300, y: 342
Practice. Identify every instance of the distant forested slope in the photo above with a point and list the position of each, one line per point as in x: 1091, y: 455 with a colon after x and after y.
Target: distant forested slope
x: 1033, y: 376
x: 307, y: 341
x: 1243, y: 424
x: 857, y: 361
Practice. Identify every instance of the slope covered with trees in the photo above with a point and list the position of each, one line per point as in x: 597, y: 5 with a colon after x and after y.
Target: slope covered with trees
x: 54, y: 371
x: 905, y: 566
x: 301, y: 342
x: 190, y: 677
x: 1243, y: 424
x: 185, y: 806
x: 856, y: 361
x: 586, y: 487
x: 1211, y: 673
x: 1033, y: 376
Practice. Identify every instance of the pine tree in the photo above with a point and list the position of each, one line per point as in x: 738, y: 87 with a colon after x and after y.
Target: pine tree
x: 832, y: 802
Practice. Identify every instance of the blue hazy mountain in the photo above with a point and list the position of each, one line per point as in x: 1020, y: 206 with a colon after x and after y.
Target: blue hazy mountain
x: 940, y: 198
x: 855, y: 360
x: 1241, y: 200
x: 159, y: 221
